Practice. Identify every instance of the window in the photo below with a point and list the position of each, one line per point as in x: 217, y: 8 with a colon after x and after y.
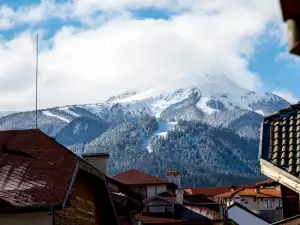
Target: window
x: 278, y: 204
x: 268, y: 204
x: 143, y: 191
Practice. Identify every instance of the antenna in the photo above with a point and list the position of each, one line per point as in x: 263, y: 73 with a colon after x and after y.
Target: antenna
x: 36, y: 81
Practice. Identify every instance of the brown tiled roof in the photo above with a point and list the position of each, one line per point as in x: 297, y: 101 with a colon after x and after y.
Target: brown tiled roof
x: 228, y: 194
x: 34, y: 169
x: 262, y: 193
x: 135, y: 177
x: 280, y: 143
x: 210, y: 191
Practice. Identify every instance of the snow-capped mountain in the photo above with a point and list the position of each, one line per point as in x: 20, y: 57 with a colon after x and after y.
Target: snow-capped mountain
x: 212, y: 94
x: 211, y: 120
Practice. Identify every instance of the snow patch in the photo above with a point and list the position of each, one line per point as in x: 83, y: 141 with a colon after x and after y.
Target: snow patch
x: 67, y: 110
x: 260, y: 112
x: 202, y: 105
x: 47, y: 113
x: 162, y: 131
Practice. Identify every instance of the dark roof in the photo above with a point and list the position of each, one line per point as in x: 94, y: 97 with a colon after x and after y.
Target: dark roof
x: 248, y: 210
x: 290, y: 8
x: 34, y: 169
x: 280, y: 139
x: 135, y: 177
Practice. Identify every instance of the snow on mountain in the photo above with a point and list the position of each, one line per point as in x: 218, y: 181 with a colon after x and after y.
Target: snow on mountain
x: 162, y: 131
x: 69, y: 111
x: 47, y: 113
x: 205, y: 95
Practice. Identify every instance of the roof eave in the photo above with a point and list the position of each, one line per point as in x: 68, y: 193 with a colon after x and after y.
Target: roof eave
x: 280, y: 175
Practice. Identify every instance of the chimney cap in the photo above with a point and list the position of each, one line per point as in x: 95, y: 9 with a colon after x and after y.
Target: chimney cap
x: 95, y: 154
x: 173, y: 173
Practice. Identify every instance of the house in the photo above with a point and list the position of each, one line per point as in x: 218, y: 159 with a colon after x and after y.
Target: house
x: 42, y: 182
x: 243, y: 216
x: 127, y: 203
x: 147, y: 185
x: 163, y: 210
x: 280, y: 155
x: 265, y: 202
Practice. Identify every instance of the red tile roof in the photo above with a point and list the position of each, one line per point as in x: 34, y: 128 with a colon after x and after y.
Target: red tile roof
x: 135, y: 177
x: 34, y: 169
x: 228, y: 193
x: 210, y: 191
x: 263, y: 193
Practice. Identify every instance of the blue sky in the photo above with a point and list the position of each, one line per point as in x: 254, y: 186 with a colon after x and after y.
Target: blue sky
x: 117, y: 45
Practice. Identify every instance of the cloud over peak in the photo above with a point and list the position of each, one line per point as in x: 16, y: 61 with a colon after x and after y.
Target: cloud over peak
x: 114, y: 51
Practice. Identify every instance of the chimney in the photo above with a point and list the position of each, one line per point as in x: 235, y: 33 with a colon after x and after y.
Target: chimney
x: 98, y: 160
x: 174, y: 177
x: 257, y: 190
x: 179, y: 195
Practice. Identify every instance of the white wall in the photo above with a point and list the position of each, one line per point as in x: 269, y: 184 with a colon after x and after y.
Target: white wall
x: 151, y: 189
x: 243, y: 217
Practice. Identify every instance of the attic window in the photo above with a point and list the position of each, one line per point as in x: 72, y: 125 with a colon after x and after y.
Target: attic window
x: 14, y: 152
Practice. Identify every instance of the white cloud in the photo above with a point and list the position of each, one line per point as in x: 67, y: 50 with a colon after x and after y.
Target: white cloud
x: 287, y: 95
x: 90, y: 64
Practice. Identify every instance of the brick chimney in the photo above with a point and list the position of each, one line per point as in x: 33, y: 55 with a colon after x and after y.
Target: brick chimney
x: 174, y: 177
x: 98, y: 160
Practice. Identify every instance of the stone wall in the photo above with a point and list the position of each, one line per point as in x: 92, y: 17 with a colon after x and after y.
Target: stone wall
x: 81, y: 205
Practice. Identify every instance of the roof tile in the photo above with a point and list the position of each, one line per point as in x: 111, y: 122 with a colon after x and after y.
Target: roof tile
x: 135, y: 177
x: 282, y: 140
